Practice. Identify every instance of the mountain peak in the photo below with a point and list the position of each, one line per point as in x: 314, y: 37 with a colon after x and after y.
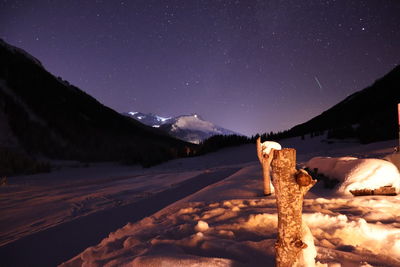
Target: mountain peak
x: 192, y: 128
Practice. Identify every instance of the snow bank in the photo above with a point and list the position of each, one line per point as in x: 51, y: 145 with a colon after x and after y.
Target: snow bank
x: 340, y: 232
x: 308, y: 255
x: 356, y: 173
x: 394, y: 158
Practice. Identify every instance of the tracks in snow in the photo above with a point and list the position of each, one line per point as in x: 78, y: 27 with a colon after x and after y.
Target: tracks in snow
x: 54, y: 245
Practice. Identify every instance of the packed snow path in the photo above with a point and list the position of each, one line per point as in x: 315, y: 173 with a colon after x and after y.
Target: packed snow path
x: 59, y: 243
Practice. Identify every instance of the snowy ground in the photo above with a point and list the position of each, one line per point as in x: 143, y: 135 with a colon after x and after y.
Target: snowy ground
x: 32, y: 203
x: 38, y: 208
x: 228, y: 223
x: 238, y: 228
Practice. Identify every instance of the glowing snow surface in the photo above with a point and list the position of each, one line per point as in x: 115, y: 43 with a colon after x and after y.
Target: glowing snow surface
x: 243, y: 232
x: 230, y: 224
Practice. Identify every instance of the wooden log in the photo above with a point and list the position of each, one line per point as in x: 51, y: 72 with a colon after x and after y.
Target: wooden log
x: 384, y: 190
x: 3, y: 181
x: 290, y: 187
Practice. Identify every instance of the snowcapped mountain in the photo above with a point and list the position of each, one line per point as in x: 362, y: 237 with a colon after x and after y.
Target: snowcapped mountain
x: 191, y: 128
x: 148, y: 119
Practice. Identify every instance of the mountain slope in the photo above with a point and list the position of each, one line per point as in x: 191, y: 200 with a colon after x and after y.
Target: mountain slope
x: 190, y: 128
x: 50, y: 117
x: 369, y: 114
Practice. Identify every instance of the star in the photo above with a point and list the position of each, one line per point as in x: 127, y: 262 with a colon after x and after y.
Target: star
x: 152, y: 50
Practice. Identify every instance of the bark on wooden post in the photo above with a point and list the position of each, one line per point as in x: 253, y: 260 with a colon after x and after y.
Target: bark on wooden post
x: 290, y: 187
x: 265, y: 161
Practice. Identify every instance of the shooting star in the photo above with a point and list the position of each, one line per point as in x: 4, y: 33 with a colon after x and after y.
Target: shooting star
x: 319, y: 84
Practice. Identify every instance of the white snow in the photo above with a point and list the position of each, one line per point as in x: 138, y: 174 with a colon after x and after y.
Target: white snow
x: 33, y: 203
x: 70, y: 198
x: 268, y: 145
x: 394, y: 158
x: 356, y: 173
x: 190, y: 128
x: 163, y: 119
x: 308, y: 255
x: 231, y: 223
x: 194, y: 123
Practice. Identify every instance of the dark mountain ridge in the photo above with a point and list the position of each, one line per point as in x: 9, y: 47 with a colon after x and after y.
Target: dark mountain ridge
x: 369, y: 114
x: 52, y: 118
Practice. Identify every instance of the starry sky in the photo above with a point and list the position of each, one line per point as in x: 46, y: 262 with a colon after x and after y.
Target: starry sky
x: 246, y: 65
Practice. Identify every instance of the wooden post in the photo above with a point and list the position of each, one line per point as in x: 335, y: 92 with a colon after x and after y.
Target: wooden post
x: 265, y: 161
x: 398, y: 117
x: 290, y: 187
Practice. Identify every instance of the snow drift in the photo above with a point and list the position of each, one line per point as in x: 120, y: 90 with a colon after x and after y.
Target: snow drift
x: 356, y: 174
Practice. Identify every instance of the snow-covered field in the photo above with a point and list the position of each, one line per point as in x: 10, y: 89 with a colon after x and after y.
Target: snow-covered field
x: 228, y: 223
x: 37, y: 208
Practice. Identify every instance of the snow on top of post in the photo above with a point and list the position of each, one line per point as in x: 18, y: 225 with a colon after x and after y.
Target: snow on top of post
x: 268, y: 145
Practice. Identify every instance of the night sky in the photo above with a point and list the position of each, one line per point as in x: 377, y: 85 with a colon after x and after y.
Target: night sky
x: 249, y: 66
